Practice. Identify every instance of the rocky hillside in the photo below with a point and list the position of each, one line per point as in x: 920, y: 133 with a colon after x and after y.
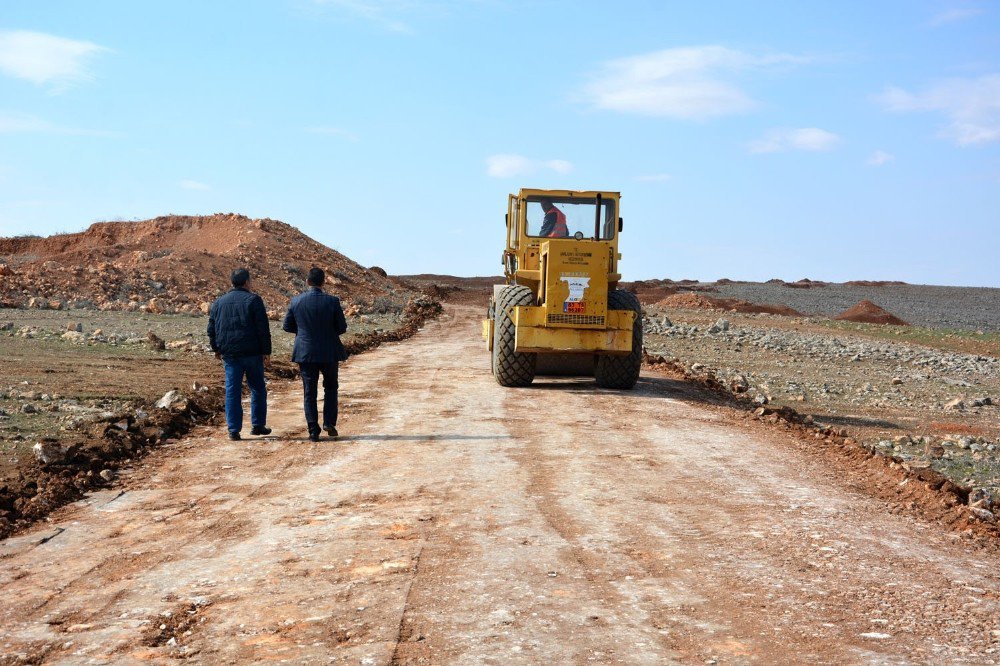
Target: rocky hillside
x: 177, y: 264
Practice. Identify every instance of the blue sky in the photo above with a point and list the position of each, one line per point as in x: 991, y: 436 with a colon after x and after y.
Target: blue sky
x: 829, y: 140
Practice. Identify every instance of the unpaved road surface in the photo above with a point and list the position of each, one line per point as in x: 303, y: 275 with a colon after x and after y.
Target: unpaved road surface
x: 457, y: 522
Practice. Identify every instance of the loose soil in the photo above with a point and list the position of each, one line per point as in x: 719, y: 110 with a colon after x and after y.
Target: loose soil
x: 692, y: 300
x: 452, y: 524
x: 179, y: 264
x: 866, y: 312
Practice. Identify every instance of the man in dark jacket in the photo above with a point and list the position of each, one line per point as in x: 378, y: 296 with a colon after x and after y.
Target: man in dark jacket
x: 241, y: 337
x: 317, y: 320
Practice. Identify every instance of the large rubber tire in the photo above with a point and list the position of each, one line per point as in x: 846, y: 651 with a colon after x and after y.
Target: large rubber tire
x: 509, y: 367
x: 622, y: 372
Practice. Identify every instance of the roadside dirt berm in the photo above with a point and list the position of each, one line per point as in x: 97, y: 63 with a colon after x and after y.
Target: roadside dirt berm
x: 561, y: 311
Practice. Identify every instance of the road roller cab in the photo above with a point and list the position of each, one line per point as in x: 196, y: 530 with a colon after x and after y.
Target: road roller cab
x: 561, y: 311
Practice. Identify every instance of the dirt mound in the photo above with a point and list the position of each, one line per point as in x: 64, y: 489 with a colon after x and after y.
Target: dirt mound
x: 688, y: 300
x: 701, y: 302
x: 805, y: 283
x: 867, y: 312
x: 453, y: 289
x: 873, y: 283
x: 177, y: 264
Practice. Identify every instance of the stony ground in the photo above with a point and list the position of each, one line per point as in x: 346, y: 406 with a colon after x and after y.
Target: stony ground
x: 931, y: 402
x: 63, y: 370
x: 963, y: 308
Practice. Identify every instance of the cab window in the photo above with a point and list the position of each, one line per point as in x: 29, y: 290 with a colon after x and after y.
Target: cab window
x: 577, y: 217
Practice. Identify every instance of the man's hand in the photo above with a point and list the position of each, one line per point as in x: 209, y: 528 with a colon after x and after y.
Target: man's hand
x: 218, y: 356
x: 267, y: 362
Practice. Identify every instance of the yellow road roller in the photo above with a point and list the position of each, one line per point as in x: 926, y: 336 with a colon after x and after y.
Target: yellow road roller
x: 560, y: 311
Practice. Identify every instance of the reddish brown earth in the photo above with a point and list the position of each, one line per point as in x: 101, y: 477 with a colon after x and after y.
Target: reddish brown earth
x: 468, y: 291
x: 873, y: 283
x: 866, y: 312
x: 175, y: 263
x: 805, y: 283
x: 700, y: 301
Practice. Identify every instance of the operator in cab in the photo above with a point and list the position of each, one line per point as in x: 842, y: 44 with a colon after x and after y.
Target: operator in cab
x: 554, y: 225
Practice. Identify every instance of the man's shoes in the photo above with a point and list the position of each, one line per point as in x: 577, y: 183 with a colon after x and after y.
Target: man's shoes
x: 314, y: 436
x: 234, y: 435
x: 260, y: 430
x: 330, y: 430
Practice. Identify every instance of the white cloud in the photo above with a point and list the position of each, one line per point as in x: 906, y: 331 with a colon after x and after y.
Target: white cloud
x: 880, y: 157
x: 654, y: 178
x: 688, y: 83
x: 333, y: 131
x: 18, y: 123
x: 972, y: 107
x: 806, y: 138
x: 507, y: 166
x: 559, y: 166
x: 46, y: 59
x: 954, y: 15
x: 194, y: 185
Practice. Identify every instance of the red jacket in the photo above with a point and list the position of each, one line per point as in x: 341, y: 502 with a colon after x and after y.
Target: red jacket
x: 559, y: 230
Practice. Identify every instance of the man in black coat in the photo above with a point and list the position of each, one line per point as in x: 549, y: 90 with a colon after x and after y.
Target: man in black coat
x: 317, y: 320
x: 241, y: 337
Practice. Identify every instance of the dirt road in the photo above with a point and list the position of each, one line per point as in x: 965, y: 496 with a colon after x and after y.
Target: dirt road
x: 458, y: 522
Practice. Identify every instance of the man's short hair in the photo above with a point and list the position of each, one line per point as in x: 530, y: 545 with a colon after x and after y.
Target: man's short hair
x: 316, y: 277
x: 239, y: 277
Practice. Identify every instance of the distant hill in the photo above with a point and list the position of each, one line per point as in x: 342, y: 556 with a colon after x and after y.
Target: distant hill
x: 177, y: 264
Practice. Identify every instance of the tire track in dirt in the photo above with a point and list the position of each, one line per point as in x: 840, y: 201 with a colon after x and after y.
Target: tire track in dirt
x: 753, y: 536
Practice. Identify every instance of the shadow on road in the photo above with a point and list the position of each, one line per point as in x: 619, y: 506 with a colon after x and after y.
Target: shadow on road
x: 648, y: 386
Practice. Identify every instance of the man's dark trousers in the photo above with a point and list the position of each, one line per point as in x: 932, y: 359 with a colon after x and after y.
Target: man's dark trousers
x: 318, y: 321
x: 310, y: 379
x: 253, y: 368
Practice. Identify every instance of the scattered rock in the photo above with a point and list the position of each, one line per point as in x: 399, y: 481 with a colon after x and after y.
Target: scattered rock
x: 48, y: 452
x: 172, y: 400
x: 739, y: 384
x: 933, y: 451
x: 155, y: 341
x: 719, y: 326
x: 958, y: 404
x: 28, y: 408
x: 982, y: 514
x: 107, y: 474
